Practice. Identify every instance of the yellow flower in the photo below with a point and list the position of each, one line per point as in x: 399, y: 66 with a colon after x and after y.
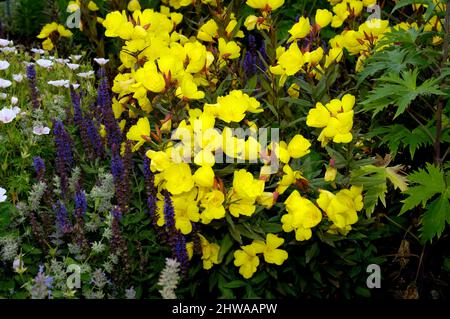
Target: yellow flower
x: 190, y: 249
x: 336, y: 118
x: 210, y: 253
x: 318, y: 117
x: 186, y: 211
x: 342, y: 208
x: 294, y: 90
x: 73, y: 6
x: 232, y: 107
x: 139, y: 132
x: 178, y: 178
x: 302, y: 216
x: 204, y: 176
x: 47, y: 44
x: 212, y: 203
x: 228, y: 50
x: 314, y: 57
x: 265, y: 5
x: 290, y: 62
x: 92, y: 6
x: 230, y: 29
x: 160, y: 161
x: 196, y: 54
x: 272, y: 254
x: 240, y: 205
x: 134, y: 5
x: 330, y: 174
x: 188, y: 89
x: 247, y: 260
x: 289, y: 178
x: 250, y: 22
x: 117, y: 25
x: 323, y: 17
x: 209, y: 31
x: 266, y: 199
x: 51, y: 29
x: 246, y: 186
x: 150, y: 78
x: 299, y: 146
x: 300, y: 30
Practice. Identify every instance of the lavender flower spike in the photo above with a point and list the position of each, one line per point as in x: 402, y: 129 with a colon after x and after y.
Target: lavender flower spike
x: 31, y: 75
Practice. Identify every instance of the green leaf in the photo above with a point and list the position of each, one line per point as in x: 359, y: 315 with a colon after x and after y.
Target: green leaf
x: 311, y: 252
x: 374, y: 181
x: 400, y: 91
x: 403, y: 3
x: 428, y: 182
x: 225, y: 246
x: 397, y: 137
x: 392, y: 60
x: 235, y: 284
x: 434, y: 219
x: 233, y: 231
x: 364, y: 292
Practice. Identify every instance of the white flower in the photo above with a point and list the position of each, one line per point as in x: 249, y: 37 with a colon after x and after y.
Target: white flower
x: 2, y: 195
x: 37, y: 51
x: 73, y: 66
x: 59, y: 83
x: 4, y: 65
x: 62, y: 61
x: 3, y: 96
x: 4, y: 83
x: 44, y: 63
x: 18, y: 265
x: 76, y: 57
x: 8, y: 50
x: 101, y: 61
x: 5, y: 43
x: 74, y: 85
x: 86, y: 74
x: 41, y: 130
x: 14, y: 100
x: 7, y: 115
x: 18, y: 77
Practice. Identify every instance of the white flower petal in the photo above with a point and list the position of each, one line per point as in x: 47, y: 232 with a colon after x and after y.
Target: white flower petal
x: 73, y: 66
x: 4, y: 65
x: 86, y: 74
x: 18, y: 77
x: 44, y: 63
x: 59, y: 83
x: 41, y: 130
x: 3, y: 196
x: 37, y: 51
x: 101, y: 61
x: 7, y: 115
x: 5, y: 83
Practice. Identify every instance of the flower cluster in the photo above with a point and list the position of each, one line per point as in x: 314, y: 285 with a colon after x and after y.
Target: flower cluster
x: 336, y: 119
x: 247, y: 258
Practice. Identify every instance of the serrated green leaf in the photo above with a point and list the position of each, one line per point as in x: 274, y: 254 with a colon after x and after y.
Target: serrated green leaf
x: 400, y: 91
x: 428, y: 182
x: 434, y: 219
x: 374, y: 181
